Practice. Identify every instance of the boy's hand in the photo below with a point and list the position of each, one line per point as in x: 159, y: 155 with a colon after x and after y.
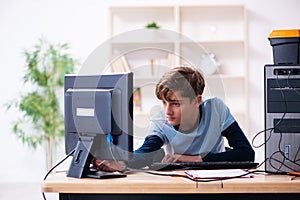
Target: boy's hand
x: 108, y: 165
x: 181, y: 158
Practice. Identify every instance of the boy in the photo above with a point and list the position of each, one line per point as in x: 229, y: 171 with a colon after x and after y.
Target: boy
x: 190, y: 127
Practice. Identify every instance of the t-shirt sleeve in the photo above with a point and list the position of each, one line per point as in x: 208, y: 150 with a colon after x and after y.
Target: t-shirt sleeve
x: 226, y: 117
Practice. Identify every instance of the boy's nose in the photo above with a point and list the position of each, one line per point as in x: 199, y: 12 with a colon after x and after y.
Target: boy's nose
x: 168, y: 109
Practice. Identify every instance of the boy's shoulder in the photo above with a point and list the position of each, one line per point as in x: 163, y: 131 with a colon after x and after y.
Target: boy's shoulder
x: 212, y: 100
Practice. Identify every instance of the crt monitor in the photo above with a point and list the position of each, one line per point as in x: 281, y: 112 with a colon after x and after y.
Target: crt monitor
x: 98, y: 119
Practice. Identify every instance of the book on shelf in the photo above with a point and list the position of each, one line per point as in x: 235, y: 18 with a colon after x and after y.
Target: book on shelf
x: 125, y: 64
x: 137, y: 105
x: 120, y: 65
x: 171, y: 60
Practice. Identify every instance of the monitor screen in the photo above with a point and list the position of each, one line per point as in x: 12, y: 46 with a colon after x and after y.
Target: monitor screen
x: 98, y: 119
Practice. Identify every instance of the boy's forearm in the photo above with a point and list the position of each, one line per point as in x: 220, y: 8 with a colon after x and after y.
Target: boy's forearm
x: 246, y: 154
x: 149, y: 151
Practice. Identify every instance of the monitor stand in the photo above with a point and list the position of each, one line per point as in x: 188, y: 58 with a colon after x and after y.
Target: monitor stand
x: 82, y: 158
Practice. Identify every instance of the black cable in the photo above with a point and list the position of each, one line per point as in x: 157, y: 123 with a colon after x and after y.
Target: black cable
x: 294, y: 89
x: 282, y: 163
x: 260, y: 132
x: 280, y: 140
x: 296, y: 154
x: 217, y: 179
x: 270, y: 159
x: 222, y: 178
x: 59, y: 163
x: 274, y: 129
x: 258, y: 166
x: 288, y: 83
x: 269, y: 172
x: 280, y: 151
x: 271, y: 130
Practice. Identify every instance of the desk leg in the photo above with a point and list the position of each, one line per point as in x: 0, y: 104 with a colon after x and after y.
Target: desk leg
x: 251, y: 196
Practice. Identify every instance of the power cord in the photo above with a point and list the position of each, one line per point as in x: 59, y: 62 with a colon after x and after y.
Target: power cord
x: 59, y: 163
x: 271, y: 132
x: 247, y: 172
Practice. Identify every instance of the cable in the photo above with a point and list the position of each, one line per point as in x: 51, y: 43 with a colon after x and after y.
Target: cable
x: 280, y: 133
x: 282, y: 163
x: 288, y: 83
x: 222, y: 178
x: 260, y: 132
x: 217, y: 179
x: 274, y: 129
x: 59, y: 163
x: 275, y: 126
x: 109, y: 139
x: 295, y: 89
x: 296, y: 154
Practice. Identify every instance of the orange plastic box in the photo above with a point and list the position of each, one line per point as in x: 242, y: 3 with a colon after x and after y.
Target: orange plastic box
x: 286, y: 46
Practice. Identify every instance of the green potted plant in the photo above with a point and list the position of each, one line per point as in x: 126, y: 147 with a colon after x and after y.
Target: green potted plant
x: 152, y: 25
x: 41, y: 121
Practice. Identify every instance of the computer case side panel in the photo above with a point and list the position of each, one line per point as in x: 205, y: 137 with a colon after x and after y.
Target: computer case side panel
x: 282, y: 117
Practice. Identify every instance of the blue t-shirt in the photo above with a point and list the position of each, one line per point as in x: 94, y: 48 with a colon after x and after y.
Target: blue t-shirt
x: 204, y: 139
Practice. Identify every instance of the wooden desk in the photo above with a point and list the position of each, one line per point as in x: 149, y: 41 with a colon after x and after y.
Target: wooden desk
x: 138, y: 186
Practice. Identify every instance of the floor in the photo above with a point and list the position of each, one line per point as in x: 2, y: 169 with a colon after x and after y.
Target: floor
x: 24, y: 191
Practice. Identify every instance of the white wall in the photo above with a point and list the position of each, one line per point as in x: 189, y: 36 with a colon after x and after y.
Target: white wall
x: 84, y: 25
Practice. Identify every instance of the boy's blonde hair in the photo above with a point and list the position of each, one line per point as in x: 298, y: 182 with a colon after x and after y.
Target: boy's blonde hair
x: 187, y: 80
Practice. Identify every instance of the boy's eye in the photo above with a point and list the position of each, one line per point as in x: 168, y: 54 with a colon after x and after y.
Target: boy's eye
x: 176, y: 104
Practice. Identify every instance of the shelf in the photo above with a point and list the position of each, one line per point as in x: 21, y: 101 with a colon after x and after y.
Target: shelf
x: 212, y: 42
x: 226, y: 54
x: 125, y: 18
x: 144, y: 35
x: 142, y: 81
x: 225, y: 77
x: 213, y: 22
x: 187, y: 33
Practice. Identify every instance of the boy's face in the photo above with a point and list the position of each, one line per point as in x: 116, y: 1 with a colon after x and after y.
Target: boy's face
x: 182, y: 110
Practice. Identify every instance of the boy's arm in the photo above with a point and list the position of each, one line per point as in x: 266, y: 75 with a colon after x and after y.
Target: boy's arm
x: 147, y: 153
x: 241, y: 148
x: 142, y: 157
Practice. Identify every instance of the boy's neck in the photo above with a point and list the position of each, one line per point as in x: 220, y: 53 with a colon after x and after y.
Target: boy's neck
x: 197, y: 121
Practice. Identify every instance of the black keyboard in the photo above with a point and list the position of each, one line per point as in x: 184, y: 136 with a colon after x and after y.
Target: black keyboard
x: 204, y: 165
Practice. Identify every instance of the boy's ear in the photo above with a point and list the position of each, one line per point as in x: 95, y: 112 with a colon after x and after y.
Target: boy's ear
x: 198, y: 99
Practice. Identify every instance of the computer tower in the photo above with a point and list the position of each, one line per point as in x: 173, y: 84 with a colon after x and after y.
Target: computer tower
x: 282, y: 117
